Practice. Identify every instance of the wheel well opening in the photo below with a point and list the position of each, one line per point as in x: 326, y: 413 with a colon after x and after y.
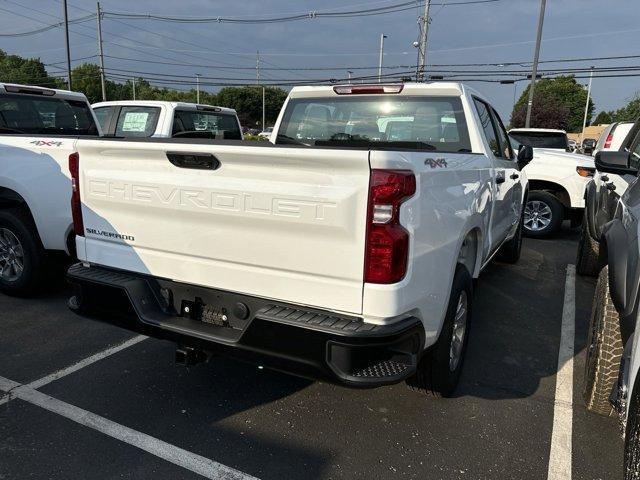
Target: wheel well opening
x: 555, y: 189
x: 468, y: 255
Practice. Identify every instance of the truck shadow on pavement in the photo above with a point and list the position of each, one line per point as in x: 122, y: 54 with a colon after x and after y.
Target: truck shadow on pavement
x: 514, y: 340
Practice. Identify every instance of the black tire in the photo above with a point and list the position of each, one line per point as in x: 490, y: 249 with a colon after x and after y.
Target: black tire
x: 587, y: 263
x: 21, y: 226
x: 604, y: 350
x: 542, y: 200
x: 436, y: 376
x: 510, y: 250
x: 632, y: 439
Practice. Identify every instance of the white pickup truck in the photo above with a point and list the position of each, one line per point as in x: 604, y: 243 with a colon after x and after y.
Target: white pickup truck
x: 152, y: 118
x: 38, y: 131
x: 557, y: 180
x: 344, y: 250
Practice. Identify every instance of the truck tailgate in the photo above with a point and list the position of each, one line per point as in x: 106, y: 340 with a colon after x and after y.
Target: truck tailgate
x: 275, y: 222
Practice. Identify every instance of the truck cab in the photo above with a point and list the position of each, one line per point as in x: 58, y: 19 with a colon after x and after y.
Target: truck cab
x: 159, y: 119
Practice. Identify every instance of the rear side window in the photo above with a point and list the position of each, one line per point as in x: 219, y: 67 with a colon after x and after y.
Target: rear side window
x: 137, y: 121
x: 37, y: 115
x: 377, y: 121
x: 206, y: 124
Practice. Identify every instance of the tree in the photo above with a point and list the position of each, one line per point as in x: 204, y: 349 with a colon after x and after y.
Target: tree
x: 603, y: 118
x: 15, y: 69
x: 630, y: 112
x: 247, y: 101
x: 563, y: 92
x: 546, y: 113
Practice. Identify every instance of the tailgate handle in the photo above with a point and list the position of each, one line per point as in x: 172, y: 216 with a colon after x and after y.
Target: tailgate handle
x: 198, y: 161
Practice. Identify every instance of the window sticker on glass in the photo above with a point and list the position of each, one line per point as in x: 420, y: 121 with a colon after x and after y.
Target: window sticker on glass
x: 135, y: 122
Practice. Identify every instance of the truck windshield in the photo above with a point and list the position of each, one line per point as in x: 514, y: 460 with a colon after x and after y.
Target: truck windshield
x: 415, y: 123
x: 555, y: 140
x: 206, y: 124
x: 38, y: 115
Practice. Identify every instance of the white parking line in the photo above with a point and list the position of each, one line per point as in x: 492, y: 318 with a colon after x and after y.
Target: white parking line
x: 86, y: 362
x: 178, y: 456
x: 561, y: 437
x: 72, y: 368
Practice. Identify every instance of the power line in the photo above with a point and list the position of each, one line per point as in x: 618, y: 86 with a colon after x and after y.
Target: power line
x: 398, y: 7
x: 47, y: 28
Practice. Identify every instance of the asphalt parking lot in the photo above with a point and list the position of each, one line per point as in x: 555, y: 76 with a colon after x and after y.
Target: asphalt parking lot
x: 130, y: 412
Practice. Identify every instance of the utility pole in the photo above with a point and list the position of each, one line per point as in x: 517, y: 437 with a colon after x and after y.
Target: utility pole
x: 586, y: 107
x: 536, y: 57
x: 101, y: 53
x: 382, y: 37
x: 263, y: 109
x: 66, y: 35
x: 422, y: 43
x: 197, y: 88
x: 263, y: 91
x: 134, y: 87
x: 258, y: 68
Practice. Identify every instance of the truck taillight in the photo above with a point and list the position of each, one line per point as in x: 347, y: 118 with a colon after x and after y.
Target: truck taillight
x: 387, y: 244
x: 607, y: 142
x: 76, y: 204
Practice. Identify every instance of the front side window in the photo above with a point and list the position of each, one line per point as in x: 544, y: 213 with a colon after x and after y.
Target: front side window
x: 102, y: 113
x: 377, y: 121
x: 503, y: 138
x: 206, y: 124
x: 37, y: 115
x: 488, y: 128
x: 137, y: 121
x: 634, y: 160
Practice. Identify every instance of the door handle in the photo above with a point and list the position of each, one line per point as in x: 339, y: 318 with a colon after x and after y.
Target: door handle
x: 514, y: 176
x: 604, y: 178
x: 197, y: 161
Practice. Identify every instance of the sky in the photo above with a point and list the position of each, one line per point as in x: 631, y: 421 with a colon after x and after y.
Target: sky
x: 496, y: 32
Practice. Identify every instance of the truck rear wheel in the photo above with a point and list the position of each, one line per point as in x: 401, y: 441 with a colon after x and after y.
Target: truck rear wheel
x: 588, y: 252
x: 440, y: 367
x: 604, y: 350
x: 21, y: 254
x: 543, y: 214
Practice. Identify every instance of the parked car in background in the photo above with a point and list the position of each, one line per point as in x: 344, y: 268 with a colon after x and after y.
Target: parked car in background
x: 266, y: 133
x: 573, y: 145
x: 547, y: 138
x: 39, y: 128
x: 142, y: 118
x: 345, y: 249
x: 588, y: 145
x: 612, y: 374
x: 557, y: 180
x: 613, y: 136
x: 601, y: 201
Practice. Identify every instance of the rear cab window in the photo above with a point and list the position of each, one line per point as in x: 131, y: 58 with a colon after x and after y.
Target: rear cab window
x: 213, y: 123
x: 41, y: 115
x: 137, y: 121
x: 431, y: 123
x: 555, y: 140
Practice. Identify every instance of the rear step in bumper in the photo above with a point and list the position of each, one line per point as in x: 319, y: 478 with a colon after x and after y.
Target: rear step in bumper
x: 293, y: 339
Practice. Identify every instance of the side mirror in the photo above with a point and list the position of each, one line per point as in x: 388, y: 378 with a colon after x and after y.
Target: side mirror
x: 616, y: 162
x: 525, y: 155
